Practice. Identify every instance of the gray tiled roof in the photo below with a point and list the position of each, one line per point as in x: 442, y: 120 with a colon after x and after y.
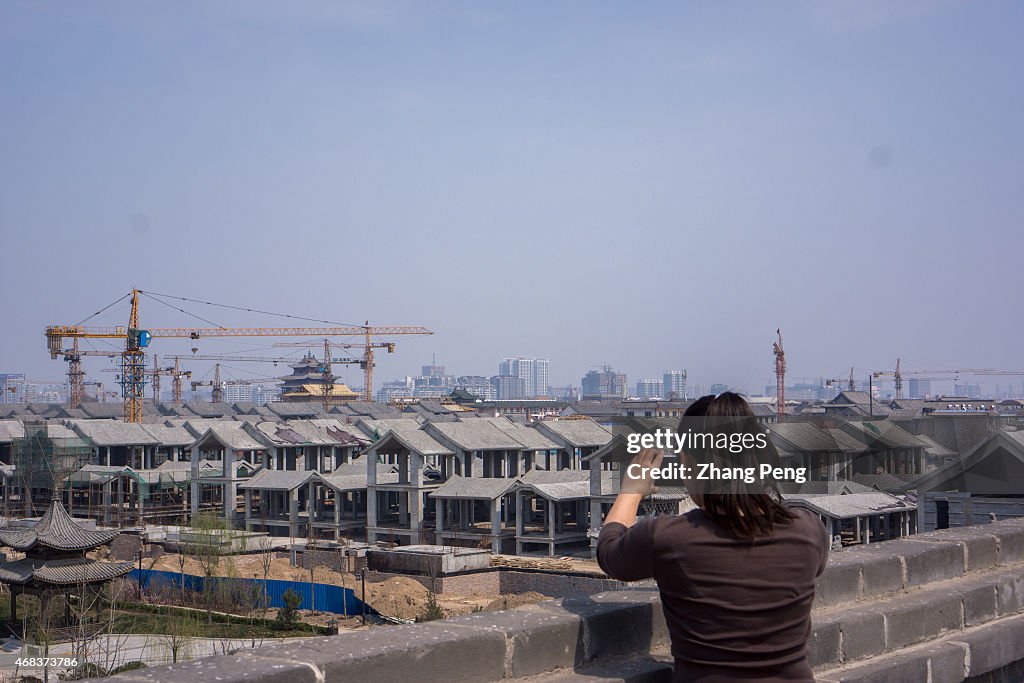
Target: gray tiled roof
x: 833, y: 488
x: 474, y: 435
x: 576, y: 433
x: 277, y: 480
x: 352, y: 476
x: 851, y: 505
x: 802, y: 437
x: 531, y: 438
x: 10, y: 430
x: 882, y: 482
x: 62, y: 572
x: 55, y: 529
x: 883, y: 433
x: 296, y: 409
x: 560, y: 485
x: 113, y: 433
x: 169, y: 436
x: 933, y: 447
x: 408, y: 432
x: 232, y: 435
x: 478, y: 488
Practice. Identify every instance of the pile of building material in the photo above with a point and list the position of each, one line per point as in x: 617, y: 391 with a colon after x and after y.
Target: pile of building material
x: 550, y: 563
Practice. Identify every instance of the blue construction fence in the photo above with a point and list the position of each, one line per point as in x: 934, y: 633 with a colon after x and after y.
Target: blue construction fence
x: 328, y: 598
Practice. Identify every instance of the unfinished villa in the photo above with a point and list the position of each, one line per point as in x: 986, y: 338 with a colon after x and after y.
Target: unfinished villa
x: 367, y: 471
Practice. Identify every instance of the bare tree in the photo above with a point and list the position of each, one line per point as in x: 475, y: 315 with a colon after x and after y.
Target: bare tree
x: 96, y: 643
x: 266, y: 561
x: 206, y: 545
x: 179, y: 638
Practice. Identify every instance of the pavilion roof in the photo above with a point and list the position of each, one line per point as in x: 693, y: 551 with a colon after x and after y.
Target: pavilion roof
x: 55, y: 529
x: 61, y: 572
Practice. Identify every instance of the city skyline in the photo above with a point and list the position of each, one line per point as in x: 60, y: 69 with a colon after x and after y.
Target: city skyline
x: 684, y: 179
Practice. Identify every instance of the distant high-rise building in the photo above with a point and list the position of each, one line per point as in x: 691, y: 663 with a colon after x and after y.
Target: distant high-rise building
x: 509, y: 387
x: 238, y: 393
x: 649, y: 388
x: 919, y: 388
x: 606, y: 384
x: 533, y: 371
x: 967, y: 390
x: 718, y: 389
x: 262, y: 393
x: 13, y: 387
x: 433, y: 370
x: 674, y: 385
x: 395, y: 389
x: 478, y: 386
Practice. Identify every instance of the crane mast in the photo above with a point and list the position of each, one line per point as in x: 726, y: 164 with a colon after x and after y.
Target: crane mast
x: 780, y: 376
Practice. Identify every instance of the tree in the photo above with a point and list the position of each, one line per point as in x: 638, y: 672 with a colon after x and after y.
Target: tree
x: 96, y: 644
x: 206, y: 545
x: 181, y: 571
x: 288, y: 615
x: 432, y: 609
x: 266, y: 561
x: 179, y: 636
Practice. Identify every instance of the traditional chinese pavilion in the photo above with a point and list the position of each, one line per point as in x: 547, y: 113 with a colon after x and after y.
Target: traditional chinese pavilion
x: 55, y: 559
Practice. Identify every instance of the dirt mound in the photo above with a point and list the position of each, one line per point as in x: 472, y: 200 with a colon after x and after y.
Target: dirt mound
x: 515, y: 600
x: 398, y: 596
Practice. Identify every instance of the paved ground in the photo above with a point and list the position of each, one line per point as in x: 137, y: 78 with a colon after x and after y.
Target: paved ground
x: 115, y: 650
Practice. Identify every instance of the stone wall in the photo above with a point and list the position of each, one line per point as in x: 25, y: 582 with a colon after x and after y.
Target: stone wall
x: 502, y: 581
x: 942, y: 606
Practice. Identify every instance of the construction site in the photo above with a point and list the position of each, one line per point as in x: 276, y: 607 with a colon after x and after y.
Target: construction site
x: 418, y: 509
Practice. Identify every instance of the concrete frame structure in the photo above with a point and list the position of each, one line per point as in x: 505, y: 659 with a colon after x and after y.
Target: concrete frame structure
x: 456, y: 503
x: 564, y: 511
x: 228, y: 444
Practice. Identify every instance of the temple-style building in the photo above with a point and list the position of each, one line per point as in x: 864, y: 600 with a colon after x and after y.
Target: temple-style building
x: 306, y: 383
x: 55, y: 559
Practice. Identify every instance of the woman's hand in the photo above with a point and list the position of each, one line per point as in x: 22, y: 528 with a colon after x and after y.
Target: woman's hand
x: 638, y: 478
x: 635, y: 488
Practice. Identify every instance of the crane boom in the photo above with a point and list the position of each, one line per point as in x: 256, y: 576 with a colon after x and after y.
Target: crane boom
x: 133, y: 372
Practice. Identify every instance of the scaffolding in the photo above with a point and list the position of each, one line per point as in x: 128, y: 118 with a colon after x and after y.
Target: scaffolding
x: 125, y: 497
x: 42, y: 459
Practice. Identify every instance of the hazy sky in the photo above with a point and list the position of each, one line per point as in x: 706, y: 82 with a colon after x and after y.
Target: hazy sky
x: 651, y: 185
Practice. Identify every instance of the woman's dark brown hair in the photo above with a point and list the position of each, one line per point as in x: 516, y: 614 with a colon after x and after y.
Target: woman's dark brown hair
x: 744, y: 510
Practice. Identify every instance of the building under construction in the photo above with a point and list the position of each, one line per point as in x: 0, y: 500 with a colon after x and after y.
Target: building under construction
x: 43, y: 457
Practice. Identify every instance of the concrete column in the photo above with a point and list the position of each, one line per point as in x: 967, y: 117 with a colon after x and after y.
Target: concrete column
x: 246, y: 498
x: 417, y: 509
x: 311, y: 503
x: 519, y: 522
x: 371, y: 512
x: 495, y: 527
x: 194, y: 483
x: 141, y: 504
x: 551, y: 521
x: 293, y: 513
x: 595, y: 524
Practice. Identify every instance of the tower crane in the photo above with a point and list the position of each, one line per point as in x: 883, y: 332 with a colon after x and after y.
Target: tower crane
x: 217, y: 386
x: 76, y: 376
x: 174, y: 372
x: 780, y: 376
x: 136, y: 340
x: 898, y: 376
